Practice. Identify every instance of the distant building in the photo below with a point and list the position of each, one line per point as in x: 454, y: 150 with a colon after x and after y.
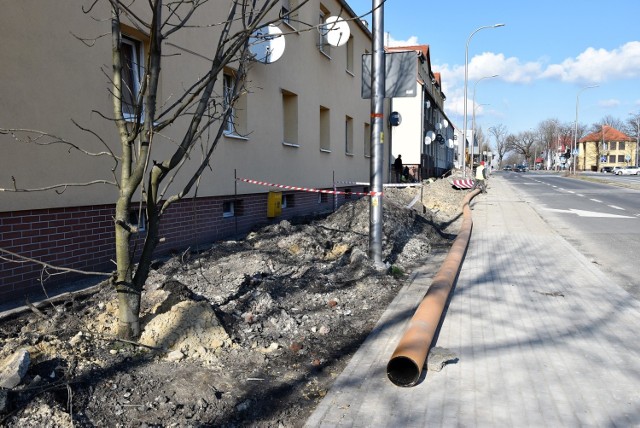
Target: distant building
x: 425, y: 138
x: 607, y: 147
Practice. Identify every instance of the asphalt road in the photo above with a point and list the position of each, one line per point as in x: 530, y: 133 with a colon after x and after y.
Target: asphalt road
x: 599, y: 214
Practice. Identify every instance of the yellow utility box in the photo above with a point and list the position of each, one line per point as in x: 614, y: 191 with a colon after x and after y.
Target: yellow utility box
x: 274, y: 204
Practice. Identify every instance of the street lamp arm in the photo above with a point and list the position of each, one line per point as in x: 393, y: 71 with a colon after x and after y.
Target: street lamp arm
x: 466, y: 80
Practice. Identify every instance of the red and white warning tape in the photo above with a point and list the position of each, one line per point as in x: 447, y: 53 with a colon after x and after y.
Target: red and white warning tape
x: 383, y: 185
x: 307, y: 189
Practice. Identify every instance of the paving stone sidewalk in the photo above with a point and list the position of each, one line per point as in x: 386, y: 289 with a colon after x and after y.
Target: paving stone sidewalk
x: 542, y: 338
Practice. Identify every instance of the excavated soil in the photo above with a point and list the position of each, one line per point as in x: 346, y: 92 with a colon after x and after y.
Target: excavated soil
x: 243, y: 333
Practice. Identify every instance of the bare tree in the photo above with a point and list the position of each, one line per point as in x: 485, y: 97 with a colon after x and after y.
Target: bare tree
x: 632, y: 129
x: 523, y: 143
x: 499, y: 133
x: 140, y: 118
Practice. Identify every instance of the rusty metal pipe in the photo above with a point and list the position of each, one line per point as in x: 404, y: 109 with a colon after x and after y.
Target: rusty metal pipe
x: 406, y: 363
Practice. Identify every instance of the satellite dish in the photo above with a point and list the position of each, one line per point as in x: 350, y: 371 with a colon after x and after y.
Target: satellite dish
x: 427, y: 140
x: 267, y: 44
x: 450, y: 143
x: 337, y: 31
x: 445, y: 123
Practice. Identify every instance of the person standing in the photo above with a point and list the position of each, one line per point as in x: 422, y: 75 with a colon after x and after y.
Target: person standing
x: 397, y: 168
x: 481, y: 176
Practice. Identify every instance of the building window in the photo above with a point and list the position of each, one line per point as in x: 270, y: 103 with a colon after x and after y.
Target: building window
x: 612, y: 158
x: 288, y: 17
x: 325, y: 130
x: 235, y: 124
x: 229, y: 84
x: 622, y: 145
x: 323, y: 198
x: 138, y: 219
x: 348, y: 135
x: 289, y: 118
x: 131, y: 57
x: 605, y: 146
x: 347, y: 193
x: 620, y: 158
x: 367, y: 140
x: 228, y: 209
x: 349, y: 52
x: 287, y: 201
x: 323, y: 44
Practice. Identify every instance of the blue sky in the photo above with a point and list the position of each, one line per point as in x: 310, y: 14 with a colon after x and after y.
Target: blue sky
x: 544, y: 55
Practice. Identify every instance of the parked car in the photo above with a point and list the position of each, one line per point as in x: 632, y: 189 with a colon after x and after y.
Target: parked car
x: 629, y: 170
x: 507, y: 168
x: 616, y: 169
x: 606, y: 169
x: 521, y: 168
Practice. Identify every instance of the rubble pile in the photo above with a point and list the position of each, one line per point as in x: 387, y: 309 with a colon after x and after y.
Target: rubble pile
x: 247, y: 332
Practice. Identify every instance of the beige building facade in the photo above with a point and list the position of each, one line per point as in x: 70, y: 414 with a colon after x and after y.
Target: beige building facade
x: 301, y: 122
x: 607, y: 148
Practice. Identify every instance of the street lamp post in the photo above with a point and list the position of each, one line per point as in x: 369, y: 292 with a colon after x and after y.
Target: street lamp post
x: 466, y: 79
x: 473, y: 116
x: 575, y: 135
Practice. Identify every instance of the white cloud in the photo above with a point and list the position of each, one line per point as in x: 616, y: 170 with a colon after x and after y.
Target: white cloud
x: 391, y: 42
x: 598, y: 65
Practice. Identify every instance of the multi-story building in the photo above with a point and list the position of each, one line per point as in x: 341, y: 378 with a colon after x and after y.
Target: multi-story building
x: 302, y: 122
x: 607, y: 147
x: 424, y: 137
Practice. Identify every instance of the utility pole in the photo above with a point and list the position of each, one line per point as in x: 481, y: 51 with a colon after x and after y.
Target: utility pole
x: 377, y: 133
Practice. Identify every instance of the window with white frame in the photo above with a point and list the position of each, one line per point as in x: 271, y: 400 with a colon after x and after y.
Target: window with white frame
x: 229, y: 84
x: 235, y: 125
x: 131, y: 57
x: 349, y: 52
x: 323, y: 44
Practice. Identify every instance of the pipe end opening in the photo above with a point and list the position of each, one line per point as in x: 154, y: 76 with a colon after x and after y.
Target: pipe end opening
x: 403, y: 371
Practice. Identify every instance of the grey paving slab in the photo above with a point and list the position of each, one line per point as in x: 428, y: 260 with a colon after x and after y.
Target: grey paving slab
x: 543, y: 338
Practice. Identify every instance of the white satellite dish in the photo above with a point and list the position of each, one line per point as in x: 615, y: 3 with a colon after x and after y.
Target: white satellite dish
x: 267, y: 44
x: 337, y: 31
x: 445, y: 123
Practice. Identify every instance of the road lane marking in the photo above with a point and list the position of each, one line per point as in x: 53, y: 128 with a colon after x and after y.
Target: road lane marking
x: 615, y: 207
x: 582, y: 213
x: 596, y: 200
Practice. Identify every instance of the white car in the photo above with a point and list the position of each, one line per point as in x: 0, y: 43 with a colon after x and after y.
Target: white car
x: 629, y: 170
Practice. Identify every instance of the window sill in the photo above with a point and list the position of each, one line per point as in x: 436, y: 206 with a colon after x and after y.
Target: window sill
x: 350, y: 73
x: 325, y: 151
x: 284, y: 143
x: 234, y: 136
x: 349, y: 154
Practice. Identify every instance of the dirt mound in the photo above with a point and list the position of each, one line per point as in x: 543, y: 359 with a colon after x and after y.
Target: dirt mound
x: 242, y: 333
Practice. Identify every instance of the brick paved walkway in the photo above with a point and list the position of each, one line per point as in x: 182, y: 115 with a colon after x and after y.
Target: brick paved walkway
x: 543, y: 338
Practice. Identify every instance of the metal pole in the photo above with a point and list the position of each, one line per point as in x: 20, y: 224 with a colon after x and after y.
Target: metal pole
x: 377, y: 133
x: 466, y: 79
x: 473, y: 117
x: 575, y: 135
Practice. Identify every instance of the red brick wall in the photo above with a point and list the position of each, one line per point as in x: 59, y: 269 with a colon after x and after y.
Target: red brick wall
x: 82, y: 237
